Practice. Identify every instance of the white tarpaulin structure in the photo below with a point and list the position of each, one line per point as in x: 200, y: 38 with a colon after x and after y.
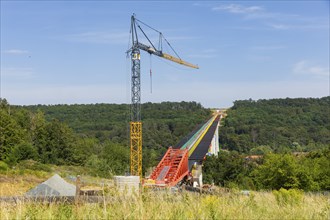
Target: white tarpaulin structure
x: 54, y: 186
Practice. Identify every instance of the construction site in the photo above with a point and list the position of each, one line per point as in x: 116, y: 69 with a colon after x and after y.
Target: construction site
x: 243, y: 134
x: 181, y: 165
x: 182, y: 162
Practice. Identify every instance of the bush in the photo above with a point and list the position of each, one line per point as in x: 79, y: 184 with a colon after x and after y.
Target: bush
x: 23, y: 151
x: 232, y: 185
x: 277, y: 171
x: 33, y: 165
x: 3, y: 166
x: 99, y: 166
x: 288, y: 197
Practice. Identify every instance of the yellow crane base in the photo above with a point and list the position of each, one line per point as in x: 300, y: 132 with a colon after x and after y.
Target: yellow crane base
x: 136, y: 148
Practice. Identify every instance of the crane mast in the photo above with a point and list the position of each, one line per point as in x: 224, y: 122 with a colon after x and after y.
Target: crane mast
x: 136, y: 123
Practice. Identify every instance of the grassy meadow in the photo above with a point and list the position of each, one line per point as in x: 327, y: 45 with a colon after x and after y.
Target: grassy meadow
x: 166, y: 204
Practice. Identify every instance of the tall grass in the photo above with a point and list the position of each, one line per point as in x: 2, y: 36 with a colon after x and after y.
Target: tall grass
x: 282, y: 204
x: 168, y: 205
x: 16, y: 183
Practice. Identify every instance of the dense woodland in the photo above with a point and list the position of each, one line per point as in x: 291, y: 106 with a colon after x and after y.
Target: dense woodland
x: 290, y: 141
x: 309, y: 171
x: 278, y: 125
x: 164, y: 124
x: 96, y: 138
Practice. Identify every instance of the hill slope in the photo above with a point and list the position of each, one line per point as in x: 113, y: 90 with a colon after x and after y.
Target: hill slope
x: 277, y: 124
x: 164, y: 124
x: 94, y: 136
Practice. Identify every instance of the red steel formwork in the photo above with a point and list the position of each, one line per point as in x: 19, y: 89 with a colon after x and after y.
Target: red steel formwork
x: 172, y: 168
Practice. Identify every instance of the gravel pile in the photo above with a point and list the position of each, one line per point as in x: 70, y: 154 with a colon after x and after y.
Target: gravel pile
x: 54, y: 186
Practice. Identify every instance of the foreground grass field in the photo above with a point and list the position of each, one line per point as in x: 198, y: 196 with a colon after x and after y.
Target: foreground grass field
x: 166, y: 204
x: 175, y: 206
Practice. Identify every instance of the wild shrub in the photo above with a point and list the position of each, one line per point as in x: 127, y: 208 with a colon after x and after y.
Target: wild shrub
x: 3, y: 166
x: 211, y: 204
x: 63, y: 211
x: 288, y: 197
x: 33, y: 165
x: 23, y: 151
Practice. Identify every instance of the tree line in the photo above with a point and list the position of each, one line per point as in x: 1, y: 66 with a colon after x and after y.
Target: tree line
x: 309, y: 171
x: 277, y: 125
x: 95, y: 136
x: 289, y: 140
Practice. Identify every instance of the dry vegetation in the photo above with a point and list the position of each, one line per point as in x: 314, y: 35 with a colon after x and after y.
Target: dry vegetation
x: 16, y: 184
x: 167, y: 205
x: 175, y: 206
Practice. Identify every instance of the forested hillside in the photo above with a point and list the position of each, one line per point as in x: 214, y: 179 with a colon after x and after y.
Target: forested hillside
x: 95, y: 136
x: 279, y: 130
x: 164, y: 124
x: 279, y: 125
x: 309, y: 171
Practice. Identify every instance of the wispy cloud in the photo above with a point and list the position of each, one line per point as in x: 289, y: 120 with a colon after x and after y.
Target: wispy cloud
x: 253, y: 12
x: 15, y: 51
x: 119, y: 37
x: 227, y: 92
x: 273, y: 20
x: 208, y: 53
x: 180, y: 38
x: 259, y: 58
x: 266, y: 15
x: 269, y: 47
x: 101, y: 37
x: 230, y: 91
x: 279, y: 26
x: 17, y: 73
x: 309, y: 68
x: 238, y: 9
x: 28, y: 94
x: 199, y: 4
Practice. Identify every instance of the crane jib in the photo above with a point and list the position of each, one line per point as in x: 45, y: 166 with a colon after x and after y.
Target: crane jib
x: 177, y: 60
x: 151, y: 50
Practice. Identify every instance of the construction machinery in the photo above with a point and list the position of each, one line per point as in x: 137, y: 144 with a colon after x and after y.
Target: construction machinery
x: 135, y: 120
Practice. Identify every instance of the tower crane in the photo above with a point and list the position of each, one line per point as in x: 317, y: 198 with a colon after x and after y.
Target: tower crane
x: 135, y: 117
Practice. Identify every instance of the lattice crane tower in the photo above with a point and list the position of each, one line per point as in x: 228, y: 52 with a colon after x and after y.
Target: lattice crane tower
x: 136, y: 123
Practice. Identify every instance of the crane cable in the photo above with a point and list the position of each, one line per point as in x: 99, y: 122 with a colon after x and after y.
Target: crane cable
x: 161, y: 36
x: 172, y: 47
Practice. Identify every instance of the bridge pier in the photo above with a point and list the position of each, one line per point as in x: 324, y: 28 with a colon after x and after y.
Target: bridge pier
x: 214, y: 147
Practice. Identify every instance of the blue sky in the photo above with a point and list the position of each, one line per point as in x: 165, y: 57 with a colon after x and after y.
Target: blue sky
x: 60, y: 52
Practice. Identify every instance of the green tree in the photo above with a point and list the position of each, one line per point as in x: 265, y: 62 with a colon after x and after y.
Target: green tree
x: 23, y: 151
x: 11, y: 134
x: 117, y: 157
x: 59, y: 144
x: 278, y: 171
x: 316, y: 164
x: 39, y: 135
x: 289, y: 124
x: 228, y: 168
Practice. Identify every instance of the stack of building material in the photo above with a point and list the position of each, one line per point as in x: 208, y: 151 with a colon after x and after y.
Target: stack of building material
x: 127, y: 184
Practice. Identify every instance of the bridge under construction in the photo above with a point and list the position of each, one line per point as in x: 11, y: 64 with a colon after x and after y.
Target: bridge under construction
x: 184, y: 160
